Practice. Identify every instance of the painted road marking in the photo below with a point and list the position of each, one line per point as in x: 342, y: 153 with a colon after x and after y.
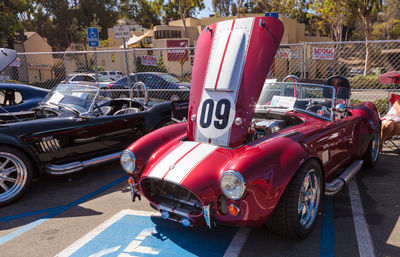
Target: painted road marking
x: 365, y: 246
x: 327, y: 239
x: 394, y: 238
x: 138, y: 233
x: 55, y: 211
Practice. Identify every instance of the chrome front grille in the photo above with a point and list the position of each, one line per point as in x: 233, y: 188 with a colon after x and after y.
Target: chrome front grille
x: 49, y: 145
x: 174, y: 196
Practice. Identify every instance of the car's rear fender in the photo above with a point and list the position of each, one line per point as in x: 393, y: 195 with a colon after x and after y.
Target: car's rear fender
x: 157, y: 114
x: 365, y: 130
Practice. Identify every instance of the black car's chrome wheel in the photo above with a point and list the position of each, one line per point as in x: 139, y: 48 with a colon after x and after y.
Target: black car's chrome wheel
x: 15, y: 174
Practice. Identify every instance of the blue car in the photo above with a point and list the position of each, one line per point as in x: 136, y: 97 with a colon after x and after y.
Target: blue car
x: 160, y: 85
x: 18, y: 97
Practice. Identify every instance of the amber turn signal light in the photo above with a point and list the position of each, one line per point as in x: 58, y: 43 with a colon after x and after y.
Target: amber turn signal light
x: 234, y: 210
x: 130, y: 181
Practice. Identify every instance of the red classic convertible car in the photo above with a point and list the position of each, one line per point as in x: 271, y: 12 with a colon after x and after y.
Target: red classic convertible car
x: 252, y: 153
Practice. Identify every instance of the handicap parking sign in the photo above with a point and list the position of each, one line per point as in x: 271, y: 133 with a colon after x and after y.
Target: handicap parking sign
x: 93, y: 37
x: 136, y: 233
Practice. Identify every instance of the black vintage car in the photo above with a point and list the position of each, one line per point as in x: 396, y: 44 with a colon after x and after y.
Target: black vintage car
x: 76, y: 126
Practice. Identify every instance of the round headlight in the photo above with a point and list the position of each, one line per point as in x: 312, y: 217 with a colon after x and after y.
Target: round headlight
x: 128, y: 161
x: 232, y: 184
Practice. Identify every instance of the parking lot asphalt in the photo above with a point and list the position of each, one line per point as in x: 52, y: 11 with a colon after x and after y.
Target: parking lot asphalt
x: 90, y: 214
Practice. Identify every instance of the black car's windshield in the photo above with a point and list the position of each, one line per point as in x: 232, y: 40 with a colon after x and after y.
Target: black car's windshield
x: 77, y: 97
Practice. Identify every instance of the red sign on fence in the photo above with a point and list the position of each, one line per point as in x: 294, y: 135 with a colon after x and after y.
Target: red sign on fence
x: 149, y: 60
x: 323, y: 53
x: 177, y: 54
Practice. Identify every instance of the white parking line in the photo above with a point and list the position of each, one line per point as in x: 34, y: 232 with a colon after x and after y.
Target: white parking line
x: 394, y: 238
x: 237, y: 243
x: 365, y: 246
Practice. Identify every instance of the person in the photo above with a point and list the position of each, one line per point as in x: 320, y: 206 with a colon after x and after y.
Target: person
x: 391, y: 122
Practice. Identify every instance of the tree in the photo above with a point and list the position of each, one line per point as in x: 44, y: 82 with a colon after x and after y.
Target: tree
x: 221, y: 7
x: 183, y: 9
x: 334, y: 16
x: 147, y: 13
x: 10, y: 24
x: 364, y: 10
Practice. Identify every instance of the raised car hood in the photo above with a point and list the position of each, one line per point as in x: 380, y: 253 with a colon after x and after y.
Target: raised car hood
x: 7, y: 56
x: 231, y: 63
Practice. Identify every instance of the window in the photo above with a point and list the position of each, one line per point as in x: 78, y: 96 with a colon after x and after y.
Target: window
x: 10, y: 97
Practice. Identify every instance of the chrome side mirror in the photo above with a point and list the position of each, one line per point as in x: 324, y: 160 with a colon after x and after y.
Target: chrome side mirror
x: 84, y: 116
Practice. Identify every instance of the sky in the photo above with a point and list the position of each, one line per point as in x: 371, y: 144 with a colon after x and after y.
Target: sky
x: 206, y: 11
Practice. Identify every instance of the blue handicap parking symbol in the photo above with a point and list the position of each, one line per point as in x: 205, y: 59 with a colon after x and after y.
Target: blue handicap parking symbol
x: 93, y: 37
x: 137, y: 235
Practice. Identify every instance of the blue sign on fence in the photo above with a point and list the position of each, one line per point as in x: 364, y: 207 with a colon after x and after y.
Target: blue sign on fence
x: 93, y: 37
x: 272, y: 14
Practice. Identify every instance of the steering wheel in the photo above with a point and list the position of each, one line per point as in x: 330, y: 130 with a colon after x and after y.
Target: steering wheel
x: 314, y: 107
x: 99, y: 111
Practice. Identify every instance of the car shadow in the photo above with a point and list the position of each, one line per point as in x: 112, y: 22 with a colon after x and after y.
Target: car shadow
x: 51, y: 196
x: 199, y: 241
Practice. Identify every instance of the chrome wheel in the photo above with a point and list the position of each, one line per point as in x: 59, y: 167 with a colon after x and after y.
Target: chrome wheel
x: 376, y: 142
x: 309, y: 198
x: 13, y: 176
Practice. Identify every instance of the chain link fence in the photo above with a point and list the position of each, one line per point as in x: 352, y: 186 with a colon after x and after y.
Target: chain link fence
x: 167, y: 71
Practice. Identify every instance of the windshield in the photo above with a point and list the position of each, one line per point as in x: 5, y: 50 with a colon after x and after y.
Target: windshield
x: 77, y: 97
x: 315, y: 99
x: 103, y: 78
x: 169, y: 78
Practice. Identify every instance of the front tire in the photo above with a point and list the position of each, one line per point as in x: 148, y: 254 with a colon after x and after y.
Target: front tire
x: 16, y: 174
x: 295, y: 214
x: 372, y: 154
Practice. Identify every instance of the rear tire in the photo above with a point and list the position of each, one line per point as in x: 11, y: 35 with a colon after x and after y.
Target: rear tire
x: 296, y: 212
x: 16, y: 174
x: 372, y: 154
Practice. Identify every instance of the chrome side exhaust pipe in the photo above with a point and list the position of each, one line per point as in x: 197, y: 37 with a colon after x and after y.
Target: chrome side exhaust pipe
x: 337, y: 184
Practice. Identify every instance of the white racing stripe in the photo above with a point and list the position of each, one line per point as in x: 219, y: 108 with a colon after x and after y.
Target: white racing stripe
x: 178, y: 163
x: 187, y: 163
x: 163, y: 166
x: 365, y: 245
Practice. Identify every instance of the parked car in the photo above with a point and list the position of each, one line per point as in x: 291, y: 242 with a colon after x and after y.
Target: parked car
x: 18, y: 97
x: 73, y: 128
x: 249, y: 154
x: 88, y: 79
x: 113, y: 75
x: 160, y: 85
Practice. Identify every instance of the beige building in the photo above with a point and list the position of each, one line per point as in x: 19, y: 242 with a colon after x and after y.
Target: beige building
x: 287, y: 61
x: 34, y: 68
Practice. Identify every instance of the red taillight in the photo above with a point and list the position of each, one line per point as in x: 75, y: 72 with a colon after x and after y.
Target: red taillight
x: 110, y: 85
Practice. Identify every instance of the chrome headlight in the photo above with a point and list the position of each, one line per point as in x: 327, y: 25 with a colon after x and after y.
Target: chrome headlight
x: 128, y: 161
x: 232, y: 184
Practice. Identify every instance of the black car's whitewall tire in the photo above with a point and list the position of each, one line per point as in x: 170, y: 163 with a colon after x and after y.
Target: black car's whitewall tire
x: 15, y: 174
x: 295, y: 214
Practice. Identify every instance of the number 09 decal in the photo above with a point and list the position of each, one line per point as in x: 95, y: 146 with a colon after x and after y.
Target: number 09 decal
x: 216, y: 114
